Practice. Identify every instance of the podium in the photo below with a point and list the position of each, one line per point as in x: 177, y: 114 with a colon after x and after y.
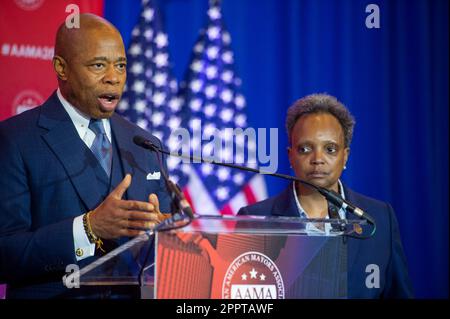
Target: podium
x: 241, y: 257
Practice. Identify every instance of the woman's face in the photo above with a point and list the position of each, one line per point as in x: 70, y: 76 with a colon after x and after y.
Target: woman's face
x: 318, y: 153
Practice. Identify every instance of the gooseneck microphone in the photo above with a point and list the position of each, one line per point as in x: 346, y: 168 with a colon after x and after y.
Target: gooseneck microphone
x: 330, y: 195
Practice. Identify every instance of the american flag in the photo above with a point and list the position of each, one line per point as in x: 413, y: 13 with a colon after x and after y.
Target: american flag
x: 150, y: 96
x: 212, y: 97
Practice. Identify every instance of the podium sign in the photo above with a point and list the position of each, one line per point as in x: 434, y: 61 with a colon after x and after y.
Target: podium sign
x: 250, y: 259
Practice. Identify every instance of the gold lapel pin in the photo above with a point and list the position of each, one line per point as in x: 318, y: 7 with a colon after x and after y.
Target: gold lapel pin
x: 357, y: 228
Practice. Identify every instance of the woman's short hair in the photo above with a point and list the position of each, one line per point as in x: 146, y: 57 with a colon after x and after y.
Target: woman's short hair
x: 321, y: 103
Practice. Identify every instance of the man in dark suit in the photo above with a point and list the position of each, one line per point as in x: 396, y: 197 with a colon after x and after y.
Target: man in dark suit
x: 320, y: 130
x: 72, y: 178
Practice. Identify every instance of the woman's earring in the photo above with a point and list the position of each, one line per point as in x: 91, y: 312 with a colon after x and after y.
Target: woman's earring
x: 345, y: 167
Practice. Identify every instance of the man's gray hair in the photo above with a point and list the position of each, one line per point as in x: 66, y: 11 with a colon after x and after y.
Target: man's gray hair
x: 321, y: 103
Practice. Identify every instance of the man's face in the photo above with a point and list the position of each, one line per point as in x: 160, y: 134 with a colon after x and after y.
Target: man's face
x: 318, y: 154
x: 96, y: 73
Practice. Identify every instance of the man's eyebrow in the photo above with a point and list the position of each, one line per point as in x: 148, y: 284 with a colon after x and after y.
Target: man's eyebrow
x: 103, y: 58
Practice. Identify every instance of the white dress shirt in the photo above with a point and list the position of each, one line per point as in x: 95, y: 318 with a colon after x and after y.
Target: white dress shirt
x: 310, y: 227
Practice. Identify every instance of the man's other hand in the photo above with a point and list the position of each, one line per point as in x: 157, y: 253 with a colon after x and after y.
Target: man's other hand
x: 116, y: 217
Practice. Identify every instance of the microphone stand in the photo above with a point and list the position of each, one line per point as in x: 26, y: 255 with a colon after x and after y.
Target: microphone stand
x: 178, y: 198
x: 330, y: 195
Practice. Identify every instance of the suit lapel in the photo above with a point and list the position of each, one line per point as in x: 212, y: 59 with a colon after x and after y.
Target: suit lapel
x: 285, y: 204
x: 353, y: 244
x: 63, y: 139
x: 133, y: 158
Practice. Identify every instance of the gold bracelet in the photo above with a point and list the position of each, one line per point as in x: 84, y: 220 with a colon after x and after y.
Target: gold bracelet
x: 89, y: 226
x: 90, y: 234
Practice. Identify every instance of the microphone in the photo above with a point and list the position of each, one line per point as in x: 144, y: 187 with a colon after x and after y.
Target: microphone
x: 331, y: 196
x: 337, y: 200
x: 181, y: 203
x: 143, y: 142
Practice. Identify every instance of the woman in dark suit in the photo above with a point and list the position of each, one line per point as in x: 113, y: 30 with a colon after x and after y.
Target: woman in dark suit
x: 320, y: 130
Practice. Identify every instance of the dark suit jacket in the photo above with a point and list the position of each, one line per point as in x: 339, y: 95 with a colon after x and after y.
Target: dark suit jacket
x: 383, y: 249
x: 46, y: 181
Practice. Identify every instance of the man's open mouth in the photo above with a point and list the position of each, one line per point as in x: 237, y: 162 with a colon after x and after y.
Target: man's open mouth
x: 109, y: 97
x: 109, y: 101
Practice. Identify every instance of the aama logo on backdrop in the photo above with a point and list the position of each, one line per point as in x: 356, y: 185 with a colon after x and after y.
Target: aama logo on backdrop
x: 29, y: 5
x: 26, y: 100
x: 253, y: 275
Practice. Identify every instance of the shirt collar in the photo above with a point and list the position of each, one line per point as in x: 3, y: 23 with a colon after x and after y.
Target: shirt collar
x: 303, y: 213
x: 79, y: 119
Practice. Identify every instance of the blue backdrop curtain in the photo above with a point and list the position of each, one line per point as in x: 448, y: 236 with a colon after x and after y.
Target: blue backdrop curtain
x: 393, y: 79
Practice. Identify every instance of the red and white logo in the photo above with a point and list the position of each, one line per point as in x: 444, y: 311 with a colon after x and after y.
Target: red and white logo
x: 29, y: 5
x: 26, y: 100
x: 253, y: 275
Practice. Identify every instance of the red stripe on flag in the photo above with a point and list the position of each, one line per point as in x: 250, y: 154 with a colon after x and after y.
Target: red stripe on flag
x: 226, y: 210
x: 188, y: 197
x: 249, y: 195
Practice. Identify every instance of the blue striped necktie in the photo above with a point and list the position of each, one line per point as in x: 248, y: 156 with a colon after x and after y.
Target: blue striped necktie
x: 101, y: 147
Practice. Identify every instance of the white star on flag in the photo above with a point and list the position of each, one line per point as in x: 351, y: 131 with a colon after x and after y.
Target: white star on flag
x: 135, y: 49
x: 161, y: 40
x: 197, y: 66
x: 160, y: 79
x: 214, y: 13
x: 148, y: 14
x: 139, y: 86
x: 161, y: 59
x: 212, y: 52
x: 213, y: 32
x: 136, y: 68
